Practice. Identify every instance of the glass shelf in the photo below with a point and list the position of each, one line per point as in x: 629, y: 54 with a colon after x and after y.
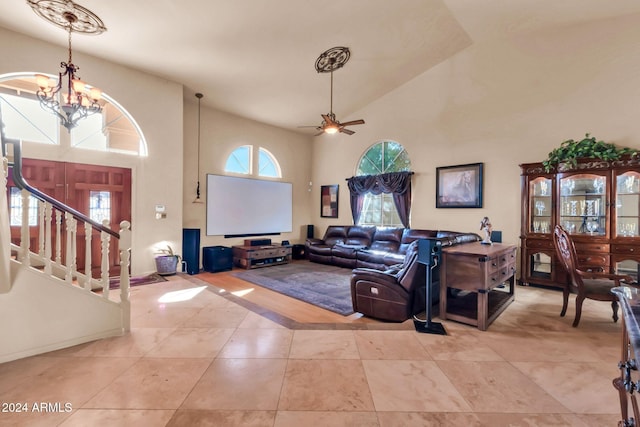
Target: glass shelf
x: 583, y: 204
x: 540, y: 217
x: 627, y: 206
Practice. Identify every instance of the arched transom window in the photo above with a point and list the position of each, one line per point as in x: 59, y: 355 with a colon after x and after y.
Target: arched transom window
x: 382, y: 157
x: 241, y: 161
x: 113, y: 129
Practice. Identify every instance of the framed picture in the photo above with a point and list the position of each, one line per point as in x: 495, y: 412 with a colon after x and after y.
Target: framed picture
x: 329, y: 201
x: 459, y: 186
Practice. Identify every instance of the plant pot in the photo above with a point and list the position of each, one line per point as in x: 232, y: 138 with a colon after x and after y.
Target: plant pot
x: 166, y: 265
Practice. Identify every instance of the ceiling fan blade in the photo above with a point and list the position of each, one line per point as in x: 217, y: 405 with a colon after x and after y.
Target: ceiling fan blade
x: 347, y: 131
x: 353, y: 122
x: 310, y: 126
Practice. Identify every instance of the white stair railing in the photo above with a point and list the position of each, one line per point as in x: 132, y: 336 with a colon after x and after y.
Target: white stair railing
x: 53, y: 231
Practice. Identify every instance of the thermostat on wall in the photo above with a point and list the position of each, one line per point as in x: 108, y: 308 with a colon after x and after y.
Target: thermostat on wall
x: 160, y: 212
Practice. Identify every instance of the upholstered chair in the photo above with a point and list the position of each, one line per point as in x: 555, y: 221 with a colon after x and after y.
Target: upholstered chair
x: 395, y: 294
x: 585, y: 284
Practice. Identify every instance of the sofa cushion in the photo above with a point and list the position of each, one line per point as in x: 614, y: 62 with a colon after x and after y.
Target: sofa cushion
x: 335, y: 234
x: 387, y: 239
x: 321, y: 249
x: 410, y: 235
x: 346, y: 251
x: 455, y: 238
x: 358, y: 235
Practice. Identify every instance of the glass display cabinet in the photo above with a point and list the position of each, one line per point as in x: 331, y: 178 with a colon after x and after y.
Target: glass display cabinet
x: 597, y: 202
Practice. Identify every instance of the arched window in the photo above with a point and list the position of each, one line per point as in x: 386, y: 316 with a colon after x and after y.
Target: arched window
x: 267, y: 164
x: 241, y: 161
x: 382, y: 157
x: 111, y: 130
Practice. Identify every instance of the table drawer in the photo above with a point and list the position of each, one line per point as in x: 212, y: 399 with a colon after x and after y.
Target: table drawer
x: 592, y: 247
x: 500, y: 276
x: 626, y: 249
x: 593, y: 260
x: 501, y: 261
x: 539, y: 244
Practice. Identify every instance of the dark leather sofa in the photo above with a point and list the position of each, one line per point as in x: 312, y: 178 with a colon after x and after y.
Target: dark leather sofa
x: 356, y: 246
x: 387, y: 281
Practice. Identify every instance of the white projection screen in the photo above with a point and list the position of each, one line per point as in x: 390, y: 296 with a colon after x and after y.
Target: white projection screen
x: 244, y: 206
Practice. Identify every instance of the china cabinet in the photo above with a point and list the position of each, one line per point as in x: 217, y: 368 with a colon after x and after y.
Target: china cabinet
x: 597, y: 202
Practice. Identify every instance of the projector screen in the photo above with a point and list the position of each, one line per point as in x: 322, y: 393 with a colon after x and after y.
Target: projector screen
x: 244, y: 206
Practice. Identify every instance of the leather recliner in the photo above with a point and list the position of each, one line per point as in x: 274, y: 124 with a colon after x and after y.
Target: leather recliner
x: 395, y: 294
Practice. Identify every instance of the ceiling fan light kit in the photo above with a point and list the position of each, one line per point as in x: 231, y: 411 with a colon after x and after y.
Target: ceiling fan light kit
x: 327, y: 62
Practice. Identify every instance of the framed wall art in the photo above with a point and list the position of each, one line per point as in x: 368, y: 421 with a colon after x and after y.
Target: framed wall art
x: 329, y: 201
x: 459, y: 186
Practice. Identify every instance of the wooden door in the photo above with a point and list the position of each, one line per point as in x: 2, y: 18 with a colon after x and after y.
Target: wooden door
x: 78, y: 186
x: 47, y: 177
x: 100, y: 192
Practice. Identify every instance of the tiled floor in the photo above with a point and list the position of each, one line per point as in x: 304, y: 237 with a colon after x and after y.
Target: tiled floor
x: 194, y: 358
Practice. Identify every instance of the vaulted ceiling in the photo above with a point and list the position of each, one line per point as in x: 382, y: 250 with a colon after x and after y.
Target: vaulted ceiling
x: 255, y: 58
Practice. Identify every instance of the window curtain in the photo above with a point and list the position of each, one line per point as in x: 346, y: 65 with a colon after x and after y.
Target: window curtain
x: 396, y: 183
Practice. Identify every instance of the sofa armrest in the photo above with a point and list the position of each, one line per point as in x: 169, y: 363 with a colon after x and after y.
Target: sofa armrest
x: 313, y: 241
x: 372, y: 275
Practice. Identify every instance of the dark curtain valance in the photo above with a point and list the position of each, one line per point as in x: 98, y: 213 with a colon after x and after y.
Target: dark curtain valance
x: 396, y: 183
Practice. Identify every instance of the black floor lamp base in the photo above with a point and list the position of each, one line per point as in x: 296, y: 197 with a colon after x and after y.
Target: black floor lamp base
x: 429, y: 327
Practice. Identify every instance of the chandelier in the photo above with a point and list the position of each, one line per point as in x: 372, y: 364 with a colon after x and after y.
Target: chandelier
x: 70, y: 98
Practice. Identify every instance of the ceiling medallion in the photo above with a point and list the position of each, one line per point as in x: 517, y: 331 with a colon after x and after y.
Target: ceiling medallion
x: 68, y: 16
x: 332, y: 59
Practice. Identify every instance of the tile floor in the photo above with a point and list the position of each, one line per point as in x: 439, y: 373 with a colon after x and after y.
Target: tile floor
x: 195, y: 358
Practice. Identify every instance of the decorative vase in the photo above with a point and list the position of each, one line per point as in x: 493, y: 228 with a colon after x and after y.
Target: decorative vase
x: 166, y: 265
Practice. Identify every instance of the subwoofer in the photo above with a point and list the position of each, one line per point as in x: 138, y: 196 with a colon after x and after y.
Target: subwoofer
x: 217, y: 258
x: 310, y: 231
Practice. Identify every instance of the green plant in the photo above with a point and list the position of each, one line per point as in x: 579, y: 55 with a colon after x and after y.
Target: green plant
x: 570, y: 151
x: 168, y: 252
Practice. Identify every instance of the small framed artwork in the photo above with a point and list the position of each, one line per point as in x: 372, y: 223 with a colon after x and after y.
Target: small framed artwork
x: 459, y: 186
x: 329, y: 201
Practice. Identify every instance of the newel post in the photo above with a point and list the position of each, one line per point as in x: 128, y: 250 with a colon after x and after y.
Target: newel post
x: 125, y: 261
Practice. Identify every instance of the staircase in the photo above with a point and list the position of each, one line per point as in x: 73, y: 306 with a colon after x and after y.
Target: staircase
x: 46, y: 303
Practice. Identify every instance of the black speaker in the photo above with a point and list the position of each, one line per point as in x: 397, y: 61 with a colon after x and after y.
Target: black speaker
x: 310, y: 231
x: 191, y: 250
x: 217, y: 258
x: 496, y: 236
x: 299, y: 252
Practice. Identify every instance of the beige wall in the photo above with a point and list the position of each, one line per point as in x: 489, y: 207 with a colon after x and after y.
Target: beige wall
x: 155, y: 103
x: 220, y: 134
x: 502, y: 103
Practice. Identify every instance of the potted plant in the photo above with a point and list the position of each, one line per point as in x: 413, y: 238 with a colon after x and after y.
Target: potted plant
x: 167, y: 262
x: 588, y: 148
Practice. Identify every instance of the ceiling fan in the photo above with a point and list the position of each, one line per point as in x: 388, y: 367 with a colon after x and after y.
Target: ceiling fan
x: 329, y: 61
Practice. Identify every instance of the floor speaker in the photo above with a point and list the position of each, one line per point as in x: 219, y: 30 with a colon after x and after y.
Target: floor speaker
x: 310, y: 231
x: 217, y: 258
x: 191, y: 250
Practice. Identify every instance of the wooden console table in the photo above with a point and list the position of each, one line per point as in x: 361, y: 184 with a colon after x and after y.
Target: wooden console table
x: 482, y: 274
x: 260, y: 256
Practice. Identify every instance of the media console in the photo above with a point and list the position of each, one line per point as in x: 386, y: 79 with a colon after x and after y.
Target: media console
x: 260, y: 256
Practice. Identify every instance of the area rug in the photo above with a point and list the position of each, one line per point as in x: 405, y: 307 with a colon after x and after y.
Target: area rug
x: 114, y: 282
x: 322, y: 285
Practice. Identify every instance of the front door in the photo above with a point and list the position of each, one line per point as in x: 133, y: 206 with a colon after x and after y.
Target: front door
x: 100, y: 192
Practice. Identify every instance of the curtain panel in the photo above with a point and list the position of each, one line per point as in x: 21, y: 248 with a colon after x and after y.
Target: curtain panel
x: 396, y: 183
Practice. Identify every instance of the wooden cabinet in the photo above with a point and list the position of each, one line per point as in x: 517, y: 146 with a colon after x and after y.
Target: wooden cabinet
x: 484, y: 274
x: 597, y: 202
x: 260, y: 256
